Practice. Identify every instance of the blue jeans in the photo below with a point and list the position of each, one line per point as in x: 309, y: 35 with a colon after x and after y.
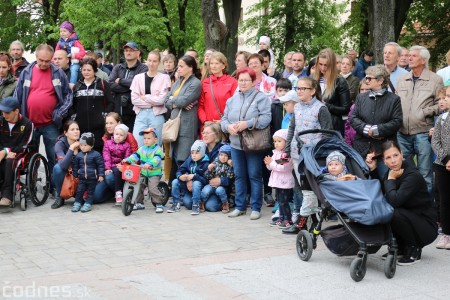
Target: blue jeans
x: 74, y: 68
x: 50, y: 133
x: 214, y: 197
x: 145, y: 119
x: 58, y: 178
x: 104, y: 190
x: 419, y: 145
x: 179, y: 189
x: 248, y: 166
x: 83, y: 186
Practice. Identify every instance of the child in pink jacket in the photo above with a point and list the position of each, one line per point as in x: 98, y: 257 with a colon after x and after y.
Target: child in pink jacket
x: 114, y: 151
x: 281, y: 178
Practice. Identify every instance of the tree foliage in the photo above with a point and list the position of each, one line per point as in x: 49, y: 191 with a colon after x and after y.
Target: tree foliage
x: 302, y: 25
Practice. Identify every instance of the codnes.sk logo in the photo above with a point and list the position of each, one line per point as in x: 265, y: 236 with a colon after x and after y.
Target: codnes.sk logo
x: 9, y: 290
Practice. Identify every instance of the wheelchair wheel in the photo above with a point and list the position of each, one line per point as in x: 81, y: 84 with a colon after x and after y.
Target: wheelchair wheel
x: 304, y: 245
x: 23, y: 202
x: 38, y: 179
x: 164, y: 189
x: 127, y: 206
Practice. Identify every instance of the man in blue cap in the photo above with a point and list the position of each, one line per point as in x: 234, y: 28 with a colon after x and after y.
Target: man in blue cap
x: 120, y: 80
x: 16, y: 132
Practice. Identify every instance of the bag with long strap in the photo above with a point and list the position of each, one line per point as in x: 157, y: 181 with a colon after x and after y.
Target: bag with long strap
x: 214, y: 97
x: 253, y: 139
x: 69, y: 185
x: 171, y: 128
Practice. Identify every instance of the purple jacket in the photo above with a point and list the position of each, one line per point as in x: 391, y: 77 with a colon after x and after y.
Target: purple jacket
x: 113, y: 153
x: 349, y: 132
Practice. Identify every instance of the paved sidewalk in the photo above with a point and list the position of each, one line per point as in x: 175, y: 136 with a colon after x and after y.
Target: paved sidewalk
x: 54, y: 254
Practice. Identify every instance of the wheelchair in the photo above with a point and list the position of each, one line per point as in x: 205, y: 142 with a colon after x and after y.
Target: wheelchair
x: 31, y: 178
x: 133, y: 189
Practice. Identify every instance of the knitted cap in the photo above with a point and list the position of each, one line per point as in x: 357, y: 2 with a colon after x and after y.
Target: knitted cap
x: 336, y: 156
x: 264, y: 40
x: 87, y: 138
x: 67, y: 25
x: 282, y: 133
x: 122, y: 127
x: 199, y: 146
x: 225, y: 149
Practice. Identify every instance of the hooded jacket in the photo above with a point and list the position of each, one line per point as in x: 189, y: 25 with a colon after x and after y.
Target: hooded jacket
x: 7, y: 87
x: 195, y: 167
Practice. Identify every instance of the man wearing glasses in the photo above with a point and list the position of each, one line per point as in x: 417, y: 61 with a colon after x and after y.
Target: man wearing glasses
x: 418, y: 91
x: 120, y: 80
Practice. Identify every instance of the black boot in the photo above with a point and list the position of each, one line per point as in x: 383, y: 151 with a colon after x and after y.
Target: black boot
x: 58, y: 203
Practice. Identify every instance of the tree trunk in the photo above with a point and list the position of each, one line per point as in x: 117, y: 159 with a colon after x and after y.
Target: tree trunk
x: 290, y: 26
x: 218, y: 35
x: 401, y: 12
x: 381, y: 26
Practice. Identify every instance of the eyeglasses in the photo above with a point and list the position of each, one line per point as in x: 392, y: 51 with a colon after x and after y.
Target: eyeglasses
x: 302, y: 88
x: 244, y: 80
x: 369, y: 79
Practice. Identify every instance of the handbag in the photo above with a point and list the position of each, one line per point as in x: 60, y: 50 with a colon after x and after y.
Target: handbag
x: 69, y: 185
x: 171, y: 129
x: 253, y: 139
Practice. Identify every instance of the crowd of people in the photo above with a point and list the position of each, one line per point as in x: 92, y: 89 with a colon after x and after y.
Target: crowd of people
x: 94, y: 119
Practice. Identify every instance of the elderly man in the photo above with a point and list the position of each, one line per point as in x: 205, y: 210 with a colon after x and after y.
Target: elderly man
x: 61, y: 60
x: 45, y: 97
x: 403, y: 61
x: 287, y: 65
x: 18, y: 61
x: 418, y: 91
x: 391, y: 55
x: 120, y: 80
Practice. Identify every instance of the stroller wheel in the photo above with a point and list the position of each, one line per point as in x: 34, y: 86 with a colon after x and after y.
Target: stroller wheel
x: 304, y: 245
x: 358, y: 269
x: 390, y: 266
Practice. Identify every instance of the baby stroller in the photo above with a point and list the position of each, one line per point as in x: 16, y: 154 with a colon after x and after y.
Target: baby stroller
x: 360, y: 207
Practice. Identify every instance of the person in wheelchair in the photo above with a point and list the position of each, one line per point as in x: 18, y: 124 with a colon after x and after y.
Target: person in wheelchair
x: 15, y: 134
x: 150, y: 156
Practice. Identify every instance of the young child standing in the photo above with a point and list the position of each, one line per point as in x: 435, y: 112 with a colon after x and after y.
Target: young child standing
x: 264, y: 44
x: 89, y: 168
x: 191, y: 179
x: 114, y: 151
x: 289, y: 100
x: 222, y: 167
x: 150, y: 156
x: 283, y: 86
x: 68, y: 40
x: 281, y: 178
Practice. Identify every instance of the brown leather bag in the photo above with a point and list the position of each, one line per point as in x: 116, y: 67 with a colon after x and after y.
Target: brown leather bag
x: 69, y: 186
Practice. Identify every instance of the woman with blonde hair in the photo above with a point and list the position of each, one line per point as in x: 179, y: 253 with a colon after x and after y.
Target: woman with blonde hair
x: 216, y: 90
x: 335, y: 92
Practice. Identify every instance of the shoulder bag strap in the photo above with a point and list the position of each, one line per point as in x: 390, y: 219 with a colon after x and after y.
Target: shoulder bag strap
x: 245, y: 113
x: 391, y: 86
x: 214, y: 97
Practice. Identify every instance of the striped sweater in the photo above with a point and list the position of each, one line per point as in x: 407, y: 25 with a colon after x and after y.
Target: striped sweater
x: 148, y: 155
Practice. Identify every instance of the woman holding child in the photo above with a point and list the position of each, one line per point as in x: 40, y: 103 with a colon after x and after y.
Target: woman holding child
x: 247, y: 109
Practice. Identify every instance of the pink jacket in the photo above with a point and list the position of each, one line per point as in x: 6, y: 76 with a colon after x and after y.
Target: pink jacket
x: 113, y: 153
x: 159, y: 88
x: 281, y: 175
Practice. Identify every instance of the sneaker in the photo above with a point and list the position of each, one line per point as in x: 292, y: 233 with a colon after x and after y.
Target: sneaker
x: 195, y: 210
x: 269, y: 200
x: 174, y: 208
x: 255, y: 215
x: 275, y: 223
x: 159, y: 208
x: 138, y: 206
x: 76, y: 207
x: 444, y: 242
x: 285, y: 224
x: 236, y: 213
x: 413, y: 256
x: 276, y: 215
x: 225, y: 207
x: 58, y: 203
x: 5, y: 202
x: 86, y: 207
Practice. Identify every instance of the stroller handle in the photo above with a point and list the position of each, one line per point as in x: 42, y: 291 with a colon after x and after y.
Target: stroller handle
x: 325, y: 131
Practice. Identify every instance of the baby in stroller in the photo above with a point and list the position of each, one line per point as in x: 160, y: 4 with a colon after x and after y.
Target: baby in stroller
x: 336, y: 169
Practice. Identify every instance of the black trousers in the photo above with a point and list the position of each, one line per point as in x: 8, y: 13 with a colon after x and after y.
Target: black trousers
x: 6, y: 175
x: 283, y: 198
x: 442, y: 178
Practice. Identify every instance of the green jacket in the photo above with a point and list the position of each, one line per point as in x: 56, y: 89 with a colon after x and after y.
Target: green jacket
x: 8, y: 87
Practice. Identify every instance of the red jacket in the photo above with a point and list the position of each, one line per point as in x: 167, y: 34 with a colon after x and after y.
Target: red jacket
x: 223, y: 87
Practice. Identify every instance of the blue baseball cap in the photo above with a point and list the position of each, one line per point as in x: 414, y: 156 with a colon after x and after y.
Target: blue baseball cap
x: 131, y: 45
x: 9, y: 104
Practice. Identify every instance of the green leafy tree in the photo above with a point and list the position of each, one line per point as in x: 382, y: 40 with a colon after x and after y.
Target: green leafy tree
x: 302, y: 25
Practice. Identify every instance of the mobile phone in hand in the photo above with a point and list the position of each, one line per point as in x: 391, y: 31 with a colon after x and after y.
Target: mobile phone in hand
x: 282, y: 161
